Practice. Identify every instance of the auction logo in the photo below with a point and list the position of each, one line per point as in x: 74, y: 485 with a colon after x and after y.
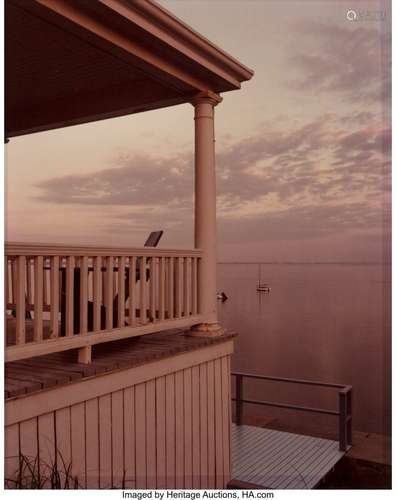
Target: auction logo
x: 351, y: 15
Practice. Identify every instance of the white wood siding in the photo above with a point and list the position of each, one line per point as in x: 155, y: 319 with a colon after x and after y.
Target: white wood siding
x: 169, y: 428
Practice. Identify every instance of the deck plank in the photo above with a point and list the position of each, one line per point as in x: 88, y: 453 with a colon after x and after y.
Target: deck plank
x: 281, y: 460
x: 39, y: 373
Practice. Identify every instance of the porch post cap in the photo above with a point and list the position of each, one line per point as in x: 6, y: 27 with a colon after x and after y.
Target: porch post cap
x: 206, y: 96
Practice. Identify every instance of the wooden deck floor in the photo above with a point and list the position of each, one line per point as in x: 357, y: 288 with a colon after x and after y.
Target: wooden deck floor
x: 281, y: 460
x: 35, y: 374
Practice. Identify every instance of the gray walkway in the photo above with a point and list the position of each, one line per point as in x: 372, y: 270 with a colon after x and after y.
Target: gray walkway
x: 281, y: 460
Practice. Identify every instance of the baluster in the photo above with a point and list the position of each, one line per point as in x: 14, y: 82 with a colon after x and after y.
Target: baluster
x: 121, y: 292
x: 170, y: 288
x: 20, y: 300
x: 115, y: 276
x: 178, y: 286
x: 97, y: 274
x: 143, y: 310
x: 29, y: 282
x: 161, y: 298
x: 7, y: 298
x: 69, y: 295
x: 132, y: 290
x: 84, y: 295
x: 152, y: 289
x: 13, y: 269
x: 45, y: 284
x: 103, y: 270
x: 194, y: 285
x: 38, y: 298
x: 84, y: 353
x: 54, y: 288
x: 186, y: 286
x: 109, y: 293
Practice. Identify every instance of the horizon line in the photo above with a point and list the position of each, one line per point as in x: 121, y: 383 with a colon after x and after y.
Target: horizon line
x: 308, y: 262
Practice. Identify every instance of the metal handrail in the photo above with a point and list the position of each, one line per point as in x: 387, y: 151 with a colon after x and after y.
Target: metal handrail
x: 344, y: 411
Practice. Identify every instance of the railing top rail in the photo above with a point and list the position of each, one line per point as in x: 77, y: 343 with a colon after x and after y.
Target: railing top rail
x: 46, y: 249
x: 289, y: 406
x: 292, y: 380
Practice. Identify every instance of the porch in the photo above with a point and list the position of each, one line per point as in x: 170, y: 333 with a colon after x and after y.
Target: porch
x: 60, y: 298
x: 81, y: 389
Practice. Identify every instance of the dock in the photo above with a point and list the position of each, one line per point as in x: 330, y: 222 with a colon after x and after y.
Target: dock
x: 270, y: 459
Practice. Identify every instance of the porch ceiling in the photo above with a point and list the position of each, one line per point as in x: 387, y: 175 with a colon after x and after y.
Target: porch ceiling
x: 75, y: 61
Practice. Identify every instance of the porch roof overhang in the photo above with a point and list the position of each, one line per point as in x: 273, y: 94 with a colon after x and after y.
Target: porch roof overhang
x: 75, y: 61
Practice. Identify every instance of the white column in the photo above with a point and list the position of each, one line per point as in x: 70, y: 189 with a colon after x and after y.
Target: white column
x: 205, y: 211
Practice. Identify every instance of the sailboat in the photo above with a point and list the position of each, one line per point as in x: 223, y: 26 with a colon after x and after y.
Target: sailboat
x: 262, y: 287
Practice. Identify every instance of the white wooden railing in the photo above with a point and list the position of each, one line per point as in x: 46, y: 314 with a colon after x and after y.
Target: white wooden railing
x: 70, y: 297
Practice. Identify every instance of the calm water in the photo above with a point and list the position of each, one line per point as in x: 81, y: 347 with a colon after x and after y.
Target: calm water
x: 323, y: 322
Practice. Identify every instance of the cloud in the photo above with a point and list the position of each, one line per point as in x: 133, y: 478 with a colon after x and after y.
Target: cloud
x: 140, y: 180
x: 350, y: 60
x: 296, y: 181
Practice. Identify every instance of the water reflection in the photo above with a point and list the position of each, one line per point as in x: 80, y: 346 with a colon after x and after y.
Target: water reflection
x: 319, y: 322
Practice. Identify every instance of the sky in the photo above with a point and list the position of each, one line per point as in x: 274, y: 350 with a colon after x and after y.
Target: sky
x: 302, y: 150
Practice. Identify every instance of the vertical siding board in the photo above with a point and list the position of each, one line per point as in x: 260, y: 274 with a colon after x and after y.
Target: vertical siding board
x: 105, y: 441
x: 226, y: 423
x: 170, y: 431
x: 63, y: 441
x: 161, y: 432
x: 211, y: 427
x: 140, y: 436
x: 129, y: 437
x: 28, y: 443
x: 203, y: 418
x: 117, y: 429
x: 11, y: 454
x: 78, y: 443
x: 46, y: 443
x: 187, y: 428
x: 196, y: 465
x: 151, y: 435
x: 218, y: 425
x: 92, y: 442
x: 179, y: 417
